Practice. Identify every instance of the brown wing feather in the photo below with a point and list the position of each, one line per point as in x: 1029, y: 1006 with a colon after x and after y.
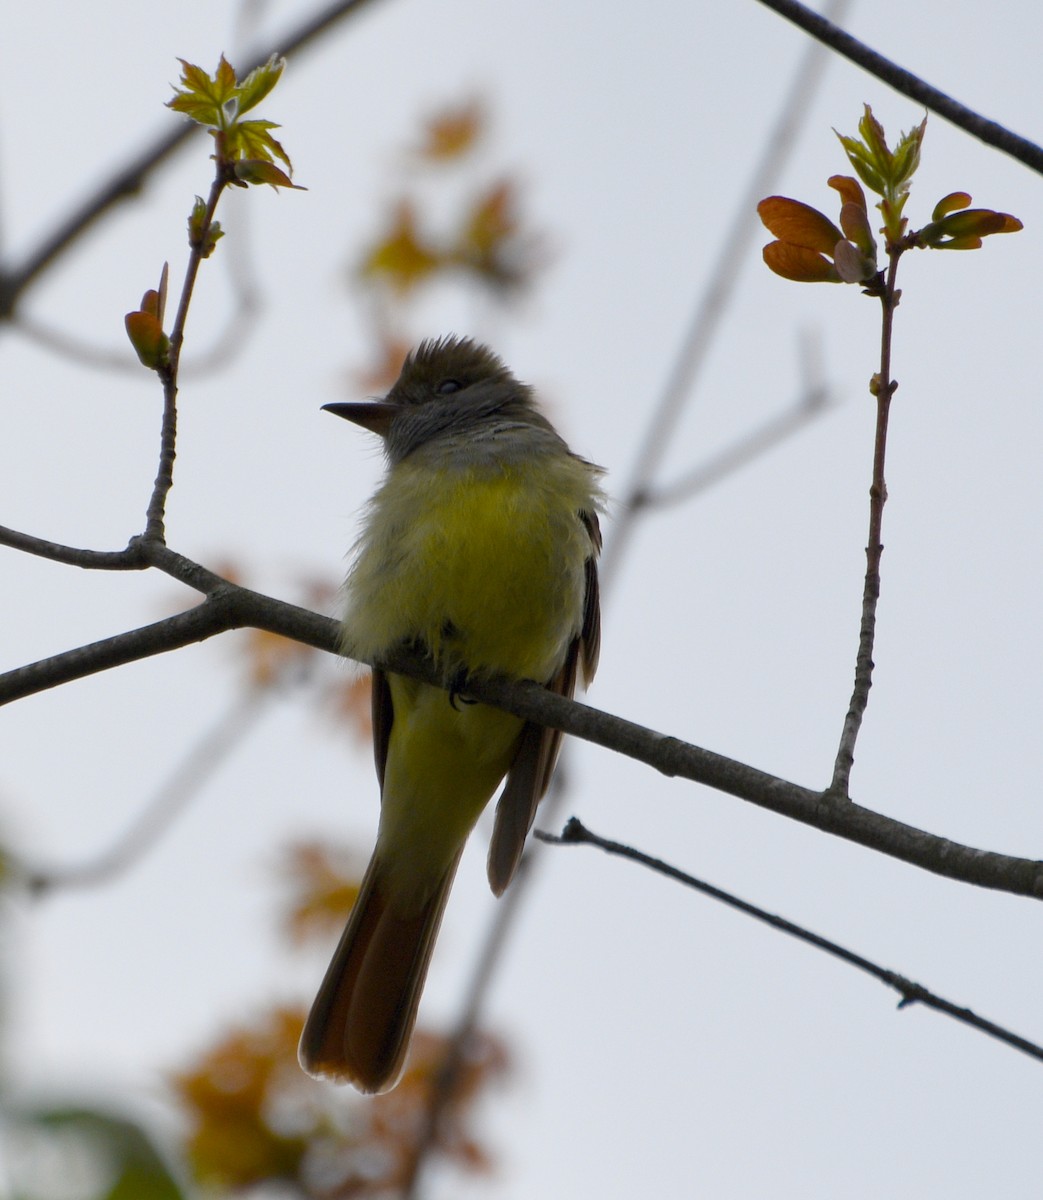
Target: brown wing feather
x: 538, y: 748
x: 590, y: 635
x: 383, y: 713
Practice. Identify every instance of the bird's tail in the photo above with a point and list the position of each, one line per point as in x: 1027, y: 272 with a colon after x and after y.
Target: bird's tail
x: 359, y: 1027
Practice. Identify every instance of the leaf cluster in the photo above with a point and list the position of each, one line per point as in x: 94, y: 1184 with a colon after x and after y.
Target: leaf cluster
x: 218, y: 102
x: 256, y: 1120
x: 811, y: 248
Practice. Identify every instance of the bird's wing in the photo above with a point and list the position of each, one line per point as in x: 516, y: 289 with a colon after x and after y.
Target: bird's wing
x: 533, y: 764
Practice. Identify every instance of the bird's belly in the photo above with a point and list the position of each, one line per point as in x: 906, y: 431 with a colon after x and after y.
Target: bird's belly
x: 487, y: 572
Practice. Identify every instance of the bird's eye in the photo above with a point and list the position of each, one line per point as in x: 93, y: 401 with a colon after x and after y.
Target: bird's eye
x: 448, y: 386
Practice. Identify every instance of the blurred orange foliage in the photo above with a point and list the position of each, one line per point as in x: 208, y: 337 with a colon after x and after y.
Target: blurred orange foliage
x: 255, y: 1118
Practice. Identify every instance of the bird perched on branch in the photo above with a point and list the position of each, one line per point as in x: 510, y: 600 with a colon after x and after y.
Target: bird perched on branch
x: 479, y: 549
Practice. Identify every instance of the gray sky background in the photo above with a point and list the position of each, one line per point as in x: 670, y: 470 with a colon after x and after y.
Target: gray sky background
x: 664, y: 1045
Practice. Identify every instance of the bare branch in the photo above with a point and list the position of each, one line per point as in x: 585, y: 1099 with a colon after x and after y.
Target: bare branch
x: 155, y: 514
x: 196, y: 625
x: 885, y: 389
x: 989, y: 132
x: 131, y: 559
x: 575, y: 833
x: 775, y: 430
x: 228, y: 606
x: 677, y: 758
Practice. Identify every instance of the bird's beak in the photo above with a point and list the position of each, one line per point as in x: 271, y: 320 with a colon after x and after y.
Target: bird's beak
x: 374, y: 415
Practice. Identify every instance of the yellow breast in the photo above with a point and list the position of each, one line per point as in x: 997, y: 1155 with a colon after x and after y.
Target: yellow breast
x: 484, y: 565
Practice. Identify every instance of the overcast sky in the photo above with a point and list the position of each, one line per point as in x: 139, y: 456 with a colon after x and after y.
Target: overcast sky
x: 664, y: 1046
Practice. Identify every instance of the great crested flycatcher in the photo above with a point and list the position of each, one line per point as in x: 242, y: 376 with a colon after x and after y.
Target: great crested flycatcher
x: 479, y: 549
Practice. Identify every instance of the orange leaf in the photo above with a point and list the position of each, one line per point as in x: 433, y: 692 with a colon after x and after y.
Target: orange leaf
x: 964, y: 230
x: 401, y: 257
x: 452, y: 132
x: 258, y: 1124
x: 325, y: 886
x: 977, y: 222
x: 492, y: 219
x: 491, y: 243
x: 228, y: 1098
x: 850, y: 190
x: 147, y: 337
x: 270, y: 655
x: 855, y: 223
x: 950, y: 203
x: 799, y: 264
x: 799, y: 224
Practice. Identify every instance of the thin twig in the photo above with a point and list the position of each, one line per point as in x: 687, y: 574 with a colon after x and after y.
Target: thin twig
x: 741, y: 452
x: 155, y: 516
x: 990, y: 132
x: 885, y: 388
x: 131, y: 559
x: 575, y: 833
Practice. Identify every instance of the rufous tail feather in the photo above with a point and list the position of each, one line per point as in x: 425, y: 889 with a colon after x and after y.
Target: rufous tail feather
x: 359, y: 1027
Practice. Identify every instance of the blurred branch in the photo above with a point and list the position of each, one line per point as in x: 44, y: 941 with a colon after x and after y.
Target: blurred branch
x: 708, y: 310
x: 172, y: 798
x: 815, y: 401
x: 712, y: 304
x: 575, y: 833
x: 128, y: 180
x: 453, y: 1065
x: 989, y: 132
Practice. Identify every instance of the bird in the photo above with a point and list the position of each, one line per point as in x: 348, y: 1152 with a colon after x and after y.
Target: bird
x: 479, y: 551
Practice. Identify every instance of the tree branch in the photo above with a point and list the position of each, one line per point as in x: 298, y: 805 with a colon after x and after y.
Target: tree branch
x: 575, y: 833
x: 751, y: 446
x: 711, y: 305
x: 228, y: 606
x: 847, y: 820
x: 885, y: 389
x: 131, y: 559
x: 989, y: 132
